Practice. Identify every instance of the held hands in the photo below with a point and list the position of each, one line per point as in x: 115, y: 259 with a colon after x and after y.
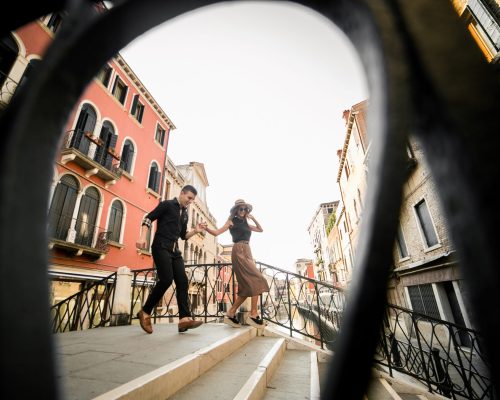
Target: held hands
x: 202, y: 226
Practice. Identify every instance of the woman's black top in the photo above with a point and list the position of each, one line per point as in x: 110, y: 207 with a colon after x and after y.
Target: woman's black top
x: 240, y: 230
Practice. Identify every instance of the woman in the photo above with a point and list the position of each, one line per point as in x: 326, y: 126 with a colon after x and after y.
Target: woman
x: 251, y: 283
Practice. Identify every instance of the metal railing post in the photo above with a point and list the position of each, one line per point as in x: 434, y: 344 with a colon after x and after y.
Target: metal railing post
x: 289, y: 305
x: 444, y: 383
x: 205, y: 305
x: 320, y: 328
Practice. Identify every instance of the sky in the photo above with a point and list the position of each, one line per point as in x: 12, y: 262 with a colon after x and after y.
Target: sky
x: 256, y: 91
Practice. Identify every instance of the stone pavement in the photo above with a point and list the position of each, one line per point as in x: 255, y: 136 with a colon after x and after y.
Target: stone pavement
x: 94, y: 361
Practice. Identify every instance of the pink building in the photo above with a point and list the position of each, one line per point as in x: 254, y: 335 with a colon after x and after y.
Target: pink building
x: 108, y: 173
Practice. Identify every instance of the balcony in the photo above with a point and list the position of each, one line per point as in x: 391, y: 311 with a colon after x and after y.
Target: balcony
x: 90, y: 153
x: 7, y: 89
x: 77, y: 237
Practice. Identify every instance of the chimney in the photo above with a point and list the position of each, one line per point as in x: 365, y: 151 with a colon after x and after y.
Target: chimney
x: 339, y: 153
x: 345, y: 115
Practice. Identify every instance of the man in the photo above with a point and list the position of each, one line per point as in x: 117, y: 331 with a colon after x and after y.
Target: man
x: 172, y: 217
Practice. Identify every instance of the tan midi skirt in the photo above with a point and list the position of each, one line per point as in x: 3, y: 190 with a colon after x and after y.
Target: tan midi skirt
x: 251, y: 282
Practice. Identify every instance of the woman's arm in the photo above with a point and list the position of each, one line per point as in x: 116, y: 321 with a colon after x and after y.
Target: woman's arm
x: 257, y: 227
x: 217, y: 232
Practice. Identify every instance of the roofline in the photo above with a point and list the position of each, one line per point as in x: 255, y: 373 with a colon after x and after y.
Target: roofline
x: 145, y: 92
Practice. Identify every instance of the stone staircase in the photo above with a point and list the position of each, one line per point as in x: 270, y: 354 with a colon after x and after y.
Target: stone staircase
x: 214, y: 361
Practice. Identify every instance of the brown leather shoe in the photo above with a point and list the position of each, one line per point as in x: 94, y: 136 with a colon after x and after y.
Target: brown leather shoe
x: 191, y: 324
x: 145, y: 321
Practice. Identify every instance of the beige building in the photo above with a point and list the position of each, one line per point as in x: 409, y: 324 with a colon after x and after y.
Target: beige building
x: 318, y: 236
x: 351, y: 177
x: 426, y: 274
x: 200, y: 248
x: 338, y: 242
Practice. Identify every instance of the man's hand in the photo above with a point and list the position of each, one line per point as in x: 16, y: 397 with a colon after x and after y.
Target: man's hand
x: 141, y: 244
x: 200, y: 227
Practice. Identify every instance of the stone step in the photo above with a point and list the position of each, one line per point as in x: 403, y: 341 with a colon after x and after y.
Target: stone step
x: 381, y: 389
x: 292, y: 380
x: 242, y: 375
x: 165, y: 381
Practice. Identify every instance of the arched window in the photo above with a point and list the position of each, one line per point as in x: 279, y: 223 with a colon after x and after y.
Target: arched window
x: 154, y: 178
x: 8, y: 54
x: 28, y: 72
x: 62, y: 207
x: 127, y: 156
x: 87, y: 215
x: 107, y: 144
x: 115, y: 221
x: 85, y: 124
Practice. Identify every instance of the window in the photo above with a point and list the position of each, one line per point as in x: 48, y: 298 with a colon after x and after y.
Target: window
x: 120, y: 90
x: 423, y: 300
x: 401, y: 244
x: 62, y: 207
x: 137, y: 109
x: 160, y: 135
x: 107, y: 144
x: 424, y: 219
x: 54, y: 22
x: 127, y: 156
x: 85, y: 125
x: 87, y: 216
x: 104, y: 75
x: 8, y: 54
x: 482, y: 28
x: 154, y: 178
x: 115, y: 221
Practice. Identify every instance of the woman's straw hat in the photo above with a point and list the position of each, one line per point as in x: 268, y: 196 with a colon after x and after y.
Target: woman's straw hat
x: 241, y: 203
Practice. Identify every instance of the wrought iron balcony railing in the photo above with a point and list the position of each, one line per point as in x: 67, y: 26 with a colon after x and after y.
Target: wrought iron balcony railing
x: 76, y: 234
x: 8, y: 87
x: 89, y: 151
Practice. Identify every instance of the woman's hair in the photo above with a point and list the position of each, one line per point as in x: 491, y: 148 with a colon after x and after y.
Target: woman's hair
x: 232, y: 213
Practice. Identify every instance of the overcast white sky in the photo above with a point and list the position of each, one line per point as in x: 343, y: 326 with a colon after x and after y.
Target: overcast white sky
x: 256, y: 91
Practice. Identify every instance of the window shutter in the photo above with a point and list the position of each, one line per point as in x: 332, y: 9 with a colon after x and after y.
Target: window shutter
x: 99, y: 153
x: 124, y: 94
x: 124, y: 162
x: 152, y: 177
x: 157, y: 182
x: 134, y: 104
x: 112, y: 145
x: 141, y: 113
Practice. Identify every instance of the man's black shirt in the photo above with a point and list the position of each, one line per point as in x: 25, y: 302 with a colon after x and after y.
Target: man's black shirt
x: 172, y: 222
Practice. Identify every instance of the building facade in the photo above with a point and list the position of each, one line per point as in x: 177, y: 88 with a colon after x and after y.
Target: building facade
x: 108, y: 171
x: 426, y: 276
x: 351, y: 178
x: 318, y: 236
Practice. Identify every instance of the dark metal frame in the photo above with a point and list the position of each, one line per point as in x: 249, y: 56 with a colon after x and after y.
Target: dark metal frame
x: 428, y: 78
